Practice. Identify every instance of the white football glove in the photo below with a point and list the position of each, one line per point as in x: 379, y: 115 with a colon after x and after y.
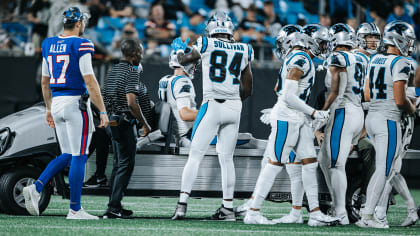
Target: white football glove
x: 321, y: 115
x: 318, y: 124
x: 365, y: 106
x: 265, y: 117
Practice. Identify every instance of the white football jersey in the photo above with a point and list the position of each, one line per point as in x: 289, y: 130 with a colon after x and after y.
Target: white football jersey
x: 173, y: 87
x: 222, y: 63
x: 302, y: 61
x: 350, y: 90
x: 383, y: 71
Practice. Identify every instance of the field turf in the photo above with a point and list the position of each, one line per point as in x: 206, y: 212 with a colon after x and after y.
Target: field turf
x: 152, y: 218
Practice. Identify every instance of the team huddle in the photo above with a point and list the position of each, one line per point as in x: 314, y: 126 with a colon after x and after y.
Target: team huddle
x: 363, y: 76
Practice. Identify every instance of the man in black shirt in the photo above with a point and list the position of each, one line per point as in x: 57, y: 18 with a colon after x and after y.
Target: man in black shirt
x: 120, y: 92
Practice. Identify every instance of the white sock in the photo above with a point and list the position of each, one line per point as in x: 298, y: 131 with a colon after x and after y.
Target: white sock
x: 296, y: 184
x: 380, y: 212
x: 228, y: 204
x: 264, y: 183
x: 310, y: 184
x: 383, y: 201
x: 398, y: 182
x: 183, y: 197
x: 339, y: 186
x: 374, y: 191
x: 228, y: 177
x: 190, y: 172
x: 296, y: 212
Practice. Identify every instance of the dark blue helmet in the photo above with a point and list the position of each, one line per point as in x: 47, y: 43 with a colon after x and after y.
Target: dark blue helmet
x: 73, y: 15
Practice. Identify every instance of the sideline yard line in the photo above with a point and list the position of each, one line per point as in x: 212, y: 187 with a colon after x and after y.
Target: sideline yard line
x: 279, y: 230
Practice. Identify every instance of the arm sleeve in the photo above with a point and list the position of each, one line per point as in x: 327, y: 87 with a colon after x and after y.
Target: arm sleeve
x: 85, y: 64
x: 183, y: 102
x: 201, y: 44
x: 45, y: 71
x: 401, y: 70
x: 133, y: 82
x: 291, y: 88
x: 337, y: 59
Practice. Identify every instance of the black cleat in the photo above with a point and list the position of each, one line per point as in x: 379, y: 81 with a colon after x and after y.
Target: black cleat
x: 95, y: 182
x: 118, y: 214
x: 224, y: 214
x: 180, y: 211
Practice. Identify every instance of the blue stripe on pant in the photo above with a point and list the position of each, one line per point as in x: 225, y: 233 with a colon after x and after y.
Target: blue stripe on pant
x: 200, y: 115
x: 292, y: 157
x: 392, y: 144
x: 281, y: 136
x: 336, y: 131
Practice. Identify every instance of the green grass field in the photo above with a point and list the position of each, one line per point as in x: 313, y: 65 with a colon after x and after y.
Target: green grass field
x: 152, y: 218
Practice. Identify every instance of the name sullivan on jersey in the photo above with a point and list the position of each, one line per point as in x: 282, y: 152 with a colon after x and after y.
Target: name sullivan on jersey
x: 219, y: 44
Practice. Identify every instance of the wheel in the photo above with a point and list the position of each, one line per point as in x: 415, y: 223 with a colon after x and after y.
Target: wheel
x: 353, y: 207
x: 11, y: 191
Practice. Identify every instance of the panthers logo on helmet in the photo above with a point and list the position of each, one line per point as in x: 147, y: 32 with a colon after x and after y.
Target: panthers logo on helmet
x: 398, y: 28
x: 291, y: 29
x: 309, y: 30
x: 340, y: 28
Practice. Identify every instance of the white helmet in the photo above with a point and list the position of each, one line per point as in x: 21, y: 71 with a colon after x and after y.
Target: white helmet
x: 286, y: 36
x: 401, y: 35
x: 342, y: 35
x: 317, y: 37
x: 220, y: 23
x: 364, y: 30
x: 189, y: 69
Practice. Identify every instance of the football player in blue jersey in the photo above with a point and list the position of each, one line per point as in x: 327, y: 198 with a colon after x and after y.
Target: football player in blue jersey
x: 67, y: 83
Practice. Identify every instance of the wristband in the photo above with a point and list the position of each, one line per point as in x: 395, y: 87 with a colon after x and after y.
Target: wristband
x: 102, y: 113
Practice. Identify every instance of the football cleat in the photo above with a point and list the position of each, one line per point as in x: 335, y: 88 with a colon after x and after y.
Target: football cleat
x: 411, y: 219
x: 180, y: 211
x: 343, y: 219
x: 255, y: 217
x: 31, y: 199
x: 380, y: 215
x: 241, y: 210
x: 80, y: 215
x: 317, y: 218
x: 290, y: 219
x: 118, y: 214
x: 371, y: 223
x: 224, y: 214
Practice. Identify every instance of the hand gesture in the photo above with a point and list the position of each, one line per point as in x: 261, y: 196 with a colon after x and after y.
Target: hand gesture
x: 178, y: 44
x: 104, y: 120
x: 146, y: 130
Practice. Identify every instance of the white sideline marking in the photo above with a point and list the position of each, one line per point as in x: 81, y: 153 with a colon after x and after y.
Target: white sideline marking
x: 279, y: 230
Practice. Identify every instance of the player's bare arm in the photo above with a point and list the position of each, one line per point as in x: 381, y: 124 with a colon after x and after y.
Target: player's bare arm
x: 95, y: 96
x: 417, y: 78
x: 401, y: 99
x: 366, y: 92
x: 335, y: 85
x: 187, y: 114
x: 246, y: 83
x: 187, y: 58
x: 136, y: 111
x: 46, y: 93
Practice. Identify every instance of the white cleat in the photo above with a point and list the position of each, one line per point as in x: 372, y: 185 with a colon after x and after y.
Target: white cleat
x: 290, y: 219
x: 381, y: 218
x: 255, y: 217
x: 371, y: 223
x: 343, y: 220
x: 242, y: 209
x: 80, y: 215
x: 411, y: 219
x: 31, y: 199
x: 319, y: 219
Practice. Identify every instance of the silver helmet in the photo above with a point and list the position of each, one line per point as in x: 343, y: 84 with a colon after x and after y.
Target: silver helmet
x: 189, y: 69
x: 220, y: 23
x: 364, y: 30
x: 316, y: 37
x: 342, y: 35
x: 401, y: 35
x: 286, y: 36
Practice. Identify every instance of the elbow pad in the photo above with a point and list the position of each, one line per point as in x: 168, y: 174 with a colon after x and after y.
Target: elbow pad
x: 291, y: 89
